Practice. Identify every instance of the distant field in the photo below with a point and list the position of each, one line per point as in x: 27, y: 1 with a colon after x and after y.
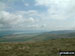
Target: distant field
x: 17, y: 37
x: 34, y: 37
x: 43, y: 48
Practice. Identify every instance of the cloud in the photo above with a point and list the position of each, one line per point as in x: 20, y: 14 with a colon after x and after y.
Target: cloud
x: 26, y: 4
x: 19, y: 20
x: 59, y: 14
x: 31, y: 19
x: 37, y: 27
x: 53, y: 2
x: 58, y: 9
x: 14, y: 20
x: 2, y: 6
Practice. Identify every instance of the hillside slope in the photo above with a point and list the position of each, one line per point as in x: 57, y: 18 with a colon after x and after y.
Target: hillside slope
x: 42, y: 48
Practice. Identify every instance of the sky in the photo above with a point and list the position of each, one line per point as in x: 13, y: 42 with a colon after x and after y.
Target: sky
x: 47, y: 15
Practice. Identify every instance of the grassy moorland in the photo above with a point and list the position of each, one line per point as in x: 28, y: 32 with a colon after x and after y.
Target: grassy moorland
x: 43, y: 48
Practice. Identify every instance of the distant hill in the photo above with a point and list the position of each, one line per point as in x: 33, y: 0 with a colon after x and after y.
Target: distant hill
x: 37, y: 36
x: 62, y: 31
x: 14, y: 32
x: 47, y: 36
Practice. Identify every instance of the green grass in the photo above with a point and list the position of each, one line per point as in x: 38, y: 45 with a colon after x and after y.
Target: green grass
x: 42, y: 48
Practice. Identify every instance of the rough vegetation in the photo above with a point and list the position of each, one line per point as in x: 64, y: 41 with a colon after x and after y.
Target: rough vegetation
x: 42, y: 48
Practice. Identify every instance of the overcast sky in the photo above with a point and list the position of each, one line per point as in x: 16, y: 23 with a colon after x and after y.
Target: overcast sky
x: 37, y: 15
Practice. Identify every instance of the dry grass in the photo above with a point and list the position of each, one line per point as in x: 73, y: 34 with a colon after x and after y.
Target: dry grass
x: 43, y: 48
